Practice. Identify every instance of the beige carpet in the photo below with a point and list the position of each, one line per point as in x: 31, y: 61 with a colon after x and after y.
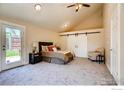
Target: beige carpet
x: 78, y: 72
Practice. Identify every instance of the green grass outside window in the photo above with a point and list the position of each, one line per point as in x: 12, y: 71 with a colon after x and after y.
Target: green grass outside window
x: 10, y: 53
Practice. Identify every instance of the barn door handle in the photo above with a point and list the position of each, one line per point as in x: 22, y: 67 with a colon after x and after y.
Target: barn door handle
x: 110, y: 49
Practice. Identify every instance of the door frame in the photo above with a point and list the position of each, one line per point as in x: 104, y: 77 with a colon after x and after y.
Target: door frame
x: 24, y: 58
x: 117, y: 6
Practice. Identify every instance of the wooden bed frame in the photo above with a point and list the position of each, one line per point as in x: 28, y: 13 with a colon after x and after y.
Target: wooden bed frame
x: 44, y: 44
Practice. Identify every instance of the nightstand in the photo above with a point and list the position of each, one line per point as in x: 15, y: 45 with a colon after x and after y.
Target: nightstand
x: 34, y: 58
x: 100, y: 58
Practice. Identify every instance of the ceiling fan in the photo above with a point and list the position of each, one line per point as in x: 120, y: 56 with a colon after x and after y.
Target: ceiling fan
x: 78, y: 6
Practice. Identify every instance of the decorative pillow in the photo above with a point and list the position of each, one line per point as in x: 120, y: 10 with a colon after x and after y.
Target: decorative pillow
x: 47, y: 49
x: 44, y: 48
x: 50, y: 48
x: 54, y: 49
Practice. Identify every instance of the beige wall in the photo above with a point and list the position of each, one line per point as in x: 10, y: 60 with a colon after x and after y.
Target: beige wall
x: 95, y: 41
x: 35, y: 33
x: 91, y: 22
x: 107, y: 27
x: 63, y: 44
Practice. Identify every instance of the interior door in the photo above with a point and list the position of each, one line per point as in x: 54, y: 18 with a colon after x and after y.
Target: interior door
x: 11, y: 46
x: 77, y: 44
x: 81, y: 45
x: 71, y: 43
x: 114, y: 43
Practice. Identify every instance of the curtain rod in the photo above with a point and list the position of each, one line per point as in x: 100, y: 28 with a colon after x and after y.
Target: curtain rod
x: 81, y: 33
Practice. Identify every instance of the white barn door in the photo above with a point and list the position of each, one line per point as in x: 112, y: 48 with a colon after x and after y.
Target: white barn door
x: 77, y: 44
x: 81, y: 45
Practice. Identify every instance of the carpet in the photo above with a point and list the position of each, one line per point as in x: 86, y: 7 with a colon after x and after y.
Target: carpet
x: 80, y: 71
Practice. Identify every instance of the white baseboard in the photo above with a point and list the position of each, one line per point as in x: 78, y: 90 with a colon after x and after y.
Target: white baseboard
x: 118, y: 83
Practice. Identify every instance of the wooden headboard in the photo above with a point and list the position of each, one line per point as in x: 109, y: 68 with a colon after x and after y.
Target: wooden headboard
x: 44, y: 44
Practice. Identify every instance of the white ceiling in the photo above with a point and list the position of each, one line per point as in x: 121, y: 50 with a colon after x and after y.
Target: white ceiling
x: 52, y: 16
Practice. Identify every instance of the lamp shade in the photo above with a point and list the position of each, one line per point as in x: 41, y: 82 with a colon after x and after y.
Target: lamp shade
x: 34, y: 44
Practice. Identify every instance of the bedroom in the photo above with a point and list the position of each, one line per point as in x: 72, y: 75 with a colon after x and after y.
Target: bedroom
x: 43, y: 25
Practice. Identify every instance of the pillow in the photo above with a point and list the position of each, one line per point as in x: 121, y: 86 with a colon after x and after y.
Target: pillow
x: 54, y: 49
x: 44, y: 48
x: 50, y: 48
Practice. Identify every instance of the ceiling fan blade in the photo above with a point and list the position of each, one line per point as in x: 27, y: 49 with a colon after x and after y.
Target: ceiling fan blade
x: 70, y: 5
x: 86, y: 5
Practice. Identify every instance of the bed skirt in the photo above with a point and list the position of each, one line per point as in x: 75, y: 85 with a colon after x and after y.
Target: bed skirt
x: 56, y: 60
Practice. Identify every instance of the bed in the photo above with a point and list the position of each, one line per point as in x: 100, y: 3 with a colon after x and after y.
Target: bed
x: 58, y: 57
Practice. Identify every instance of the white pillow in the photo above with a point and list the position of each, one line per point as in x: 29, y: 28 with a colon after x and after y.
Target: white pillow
x: 44, y: 48
x: 55, y: 49
x: 47, y: 49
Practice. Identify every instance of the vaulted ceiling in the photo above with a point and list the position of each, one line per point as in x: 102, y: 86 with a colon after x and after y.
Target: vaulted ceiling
x: 54, y: 16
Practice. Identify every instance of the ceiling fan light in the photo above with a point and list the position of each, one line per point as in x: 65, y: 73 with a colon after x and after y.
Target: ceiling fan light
x: 80, y: 6
x: 77, y: 7
x: 37, y: 7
